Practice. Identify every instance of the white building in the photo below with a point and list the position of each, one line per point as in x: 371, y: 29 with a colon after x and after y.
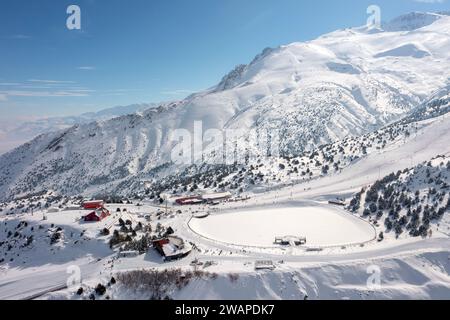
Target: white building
x: 216, y: 196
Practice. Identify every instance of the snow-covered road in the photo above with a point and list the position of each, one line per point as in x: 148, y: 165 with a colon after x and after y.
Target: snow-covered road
x: 29, y: 283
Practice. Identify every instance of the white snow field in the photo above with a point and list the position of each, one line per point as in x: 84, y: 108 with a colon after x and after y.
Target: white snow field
x: 258, y: 228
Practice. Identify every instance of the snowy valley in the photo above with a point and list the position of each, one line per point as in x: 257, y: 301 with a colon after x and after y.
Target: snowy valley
x: 360, y: 185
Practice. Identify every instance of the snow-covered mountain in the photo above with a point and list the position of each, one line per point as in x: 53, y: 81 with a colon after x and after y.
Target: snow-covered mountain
x: 413, y: 21
x: 420, y: 136
x: 438, y: 104
x: 13, y: 134
x: 345, y: 83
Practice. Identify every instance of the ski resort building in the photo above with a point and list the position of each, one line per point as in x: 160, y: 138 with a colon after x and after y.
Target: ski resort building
x: 171, y: 248
x: 206, y: 198
x: 214, y: 197
x: 97, y: 215
x: 95, y: 204
x: 189, y: 200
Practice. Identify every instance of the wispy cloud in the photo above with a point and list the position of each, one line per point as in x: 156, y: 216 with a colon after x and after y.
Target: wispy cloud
x: 9, y: 84
x: 86, y: 68
x: 121, y: 92
x: 60, y: 93
x: 177, y: 92
x: 77, y: 88
x: 37, y: 87
x: 50, y: 81
x: 42, y: 88
x: 17, y: 37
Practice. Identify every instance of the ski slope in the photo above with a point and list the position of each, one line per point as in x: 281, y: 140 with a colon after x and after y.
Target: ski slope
x: 429, y: 141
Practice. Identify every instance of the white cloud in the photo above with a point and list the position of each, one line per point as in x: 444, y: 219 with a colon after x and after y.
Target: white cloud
x: 121, y: 92
x: 36, y: 87
x: 86, y: 68
x: 9, y: 84
x: 42, y: 88
x: 17, y: 37
x: 61, y: 93
x: 50, y: 81
x: 177, y: 92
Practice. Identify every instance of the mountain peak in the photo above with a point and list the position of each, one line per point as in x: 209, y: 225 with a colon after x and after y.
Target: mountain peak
x: 234, y: 77
x: 413, y: 21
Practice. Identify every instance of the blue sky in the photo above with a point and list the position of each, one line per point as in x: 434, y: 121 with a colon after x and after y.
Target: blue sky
x: 132, y: 51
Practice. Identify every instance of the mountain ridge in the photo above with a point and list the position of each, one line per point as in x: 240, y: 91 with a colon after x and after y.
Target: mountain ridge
x: 15, y: 134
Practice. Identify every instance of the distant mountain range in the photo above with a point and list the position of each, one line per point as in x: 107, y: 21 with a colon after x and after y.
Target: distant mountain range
x: 14, y: 134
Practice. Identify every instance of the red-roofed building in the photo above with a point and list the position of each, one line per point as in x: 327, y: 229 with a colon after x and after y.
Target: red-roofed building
x: 97, y: 215
x: 95, y: 204
x: 172, y: 248
x: 189, y: 200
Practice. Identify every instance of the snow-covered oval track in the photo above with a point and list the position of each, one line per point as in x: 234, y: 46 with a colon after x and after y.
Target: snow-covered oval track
x: 323, y: 226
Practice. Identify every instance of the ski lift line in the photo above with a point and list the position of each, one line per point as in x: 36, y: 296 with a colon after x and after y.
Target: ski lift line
x: 114, y: 222
x: 132, y: 219
x: 117, y: 220
x: 125, y: 216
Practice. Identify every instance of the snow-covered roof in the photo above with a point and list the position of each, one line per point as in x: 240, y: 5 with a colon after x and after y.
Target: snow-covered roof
x: 98, y: 212
x: 213, y: 196
x: 93, y: 202
x: 172, y: 247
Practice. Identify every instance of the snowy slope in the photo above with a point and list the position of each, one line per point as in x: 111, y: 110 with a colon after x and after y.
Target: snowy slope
x: 410, y: 268
x: 13, y: 134
x: 420, y: 276
x: 424, y: 276
x: 418, y: 137
x: 345, y: 83
x: 413, y: 21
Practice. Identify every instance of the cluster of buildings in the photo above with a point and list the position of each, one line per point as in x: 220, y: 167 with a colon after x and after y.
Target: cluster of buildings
x: 98, y: 213
x: 212, y: 198
x: 169, y: 247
